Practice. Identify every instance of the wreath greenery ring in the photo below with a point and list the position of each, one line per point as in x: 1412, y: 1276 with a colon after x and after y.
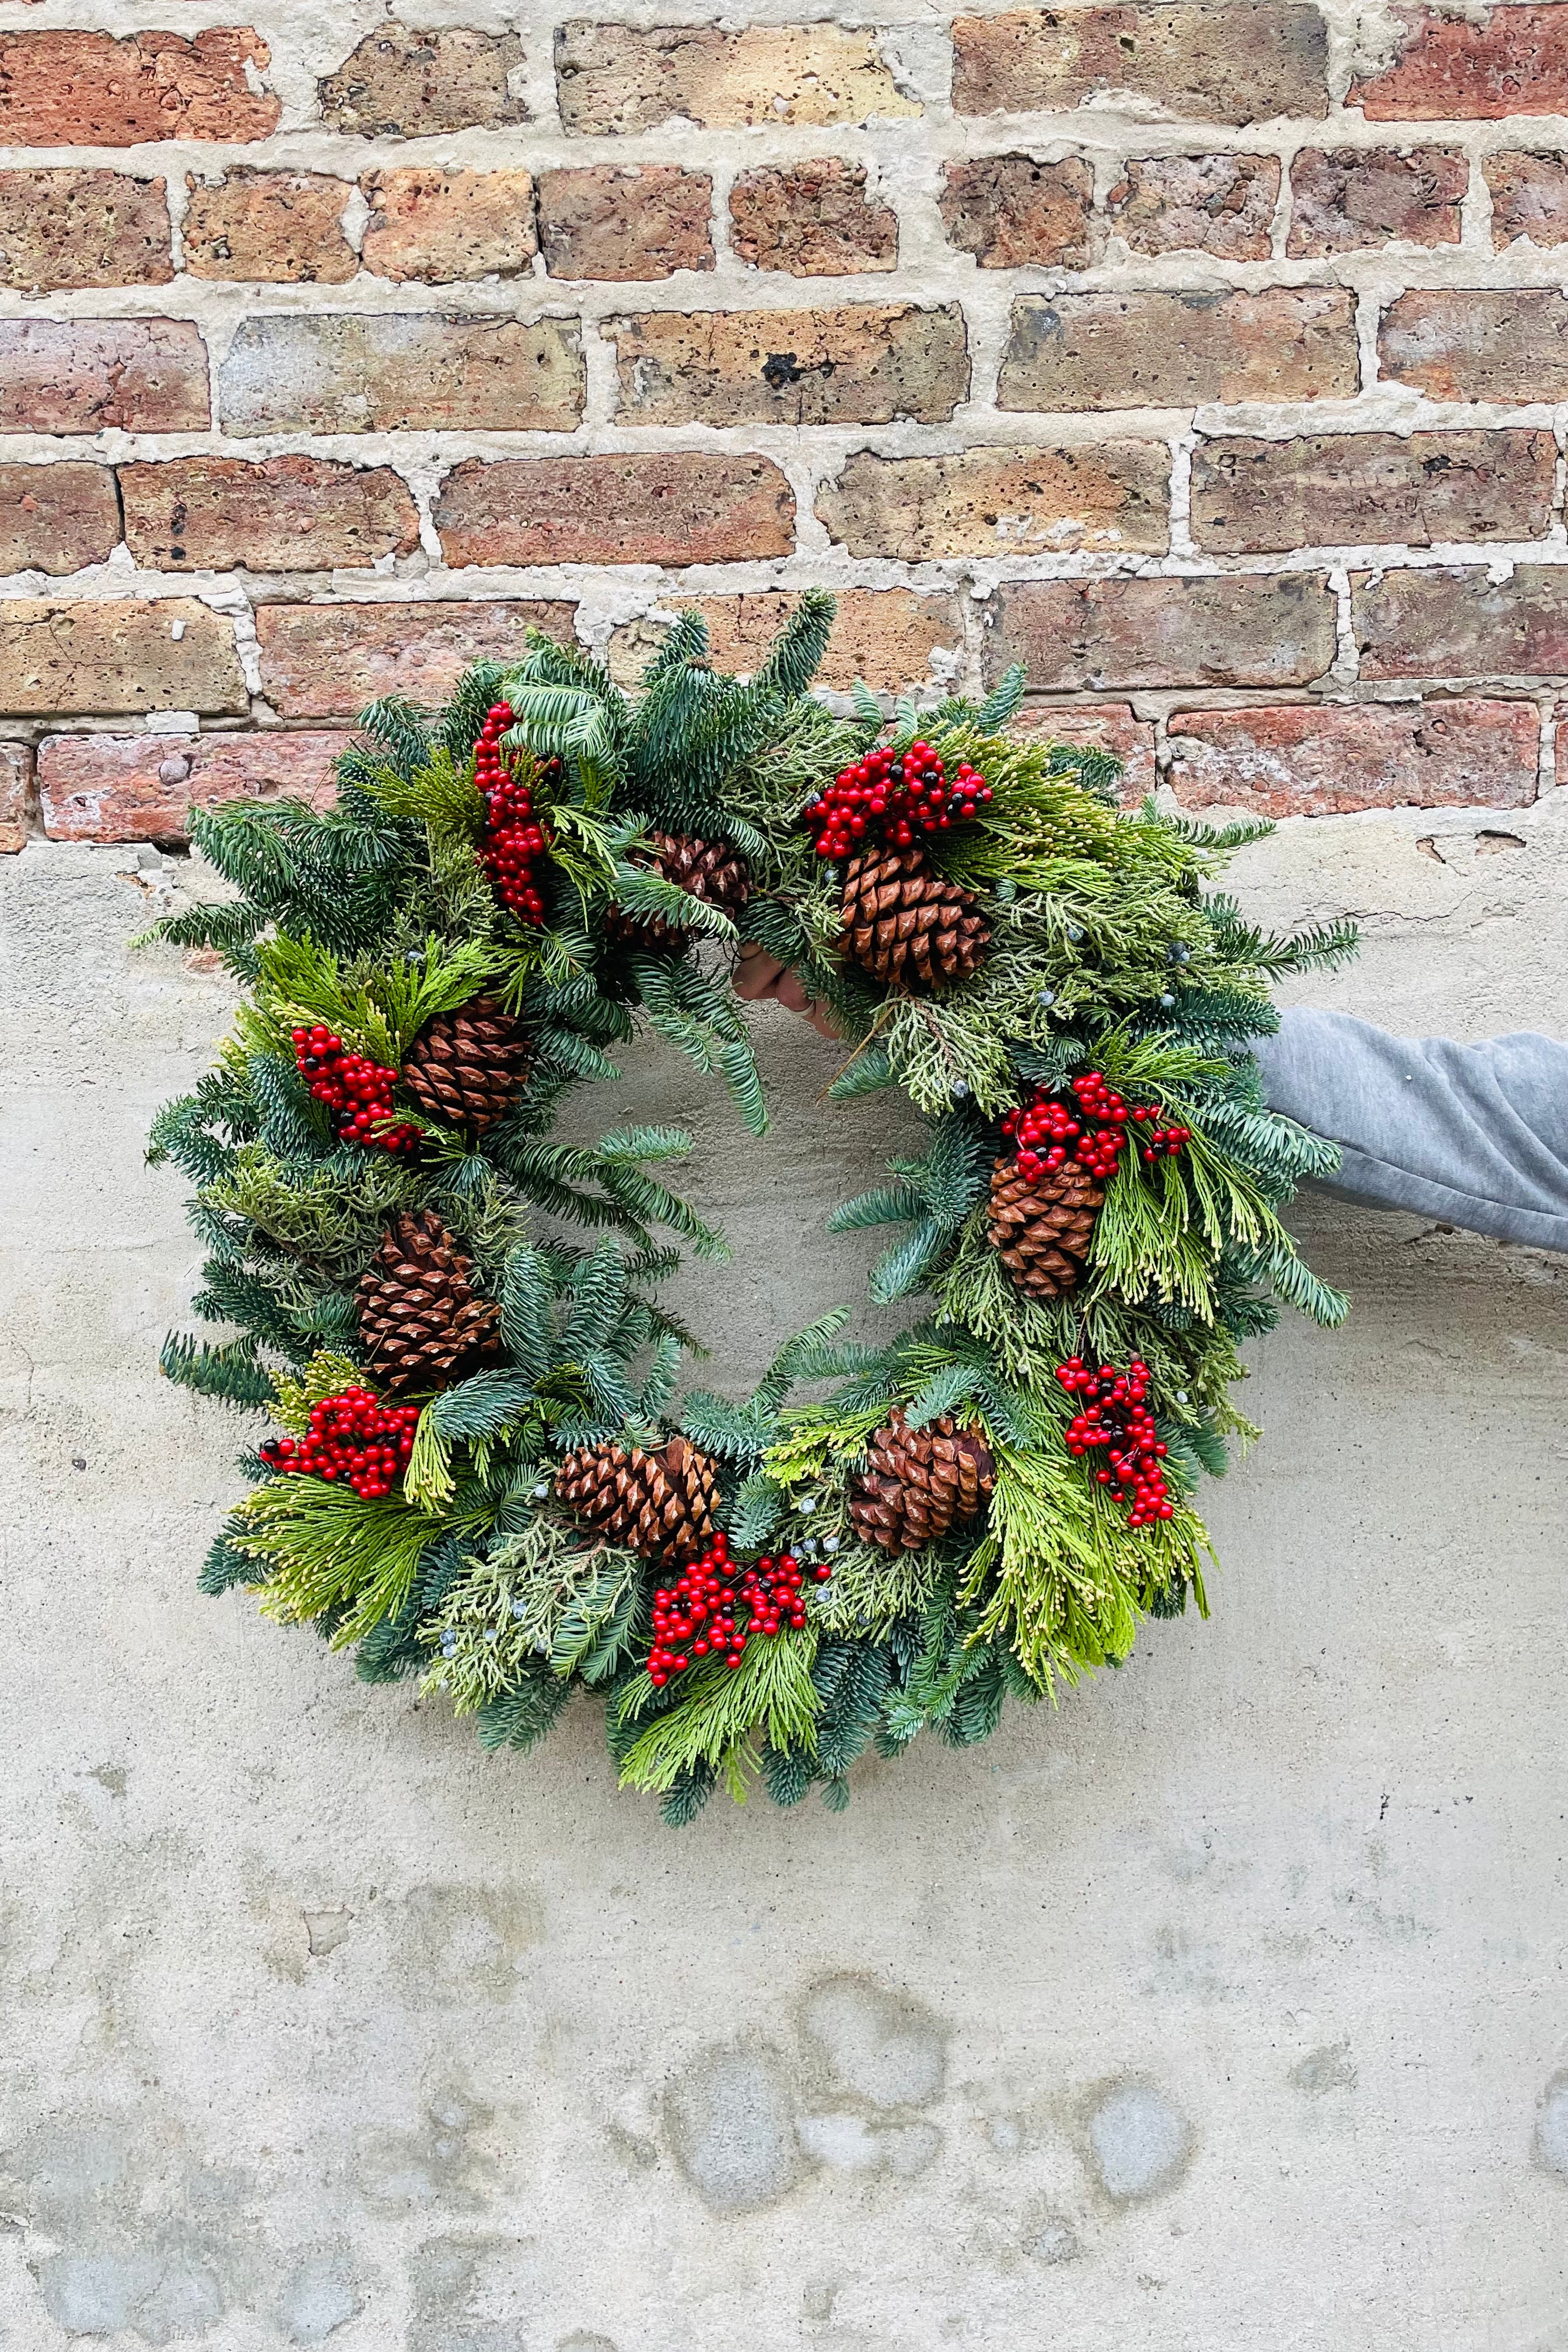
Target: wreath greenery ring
x: 482, y: 1472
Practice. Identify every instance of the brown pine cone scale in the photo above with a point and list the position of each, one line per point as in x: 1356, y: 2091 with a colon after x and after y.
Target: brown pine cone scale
x: 659, y: 1505
x: 469, y: 1066
x: 710, y: 870
x: 908, y: 925
x: 1041, y: 1231
x: 919, y: 1483
x: 420, y: 1324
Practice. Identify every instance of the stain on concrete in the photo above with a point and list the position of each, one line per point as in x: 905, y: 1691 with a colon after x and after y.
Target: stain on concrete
x: 1005, y: 2134
x: 1332, y: 2068
x: 580, y: 2342
x: 1140, y: 2142
x: 731, y: 2124
x: 144, y: 2240
x: 439, y: 2163
x: 817, y: 2299
x: 318, y: 2296
x: 325, y: 1930
x: 879, y: 2046
x: 473, y: 2295
x: 112, y: 1777
x: 848, y: 2144
x: 468, y: 1939
x: 1054, y: 2241
x: 1552, y: 2126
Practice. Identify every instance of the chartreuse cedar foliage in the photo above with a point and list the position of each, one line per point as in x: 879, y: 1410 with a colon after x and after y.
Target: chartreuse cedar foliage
x: 1110, y: 950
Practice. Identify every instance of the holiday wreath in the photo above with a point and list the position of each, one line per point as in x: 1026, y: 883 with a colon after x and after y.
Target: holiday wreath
x: 484, y: 1473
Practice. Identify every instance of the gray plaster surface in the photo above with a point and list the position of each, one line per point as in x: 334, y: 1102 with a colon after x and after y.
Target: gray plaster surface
x: 1222, y: 2010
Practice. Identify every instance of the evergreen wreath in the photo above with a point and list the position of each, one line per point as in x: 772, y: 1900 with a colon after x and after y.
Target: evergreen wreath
x: 484, y: 1475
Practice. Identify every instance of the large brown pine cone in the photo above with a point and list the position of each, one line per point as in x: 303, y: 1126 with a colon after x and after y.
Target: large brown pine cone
x: 469, y: 1065
x: 420, y: 1323
x: 921, y: 1482
x: 660, y: 1505
x: 1041, y: 1231
x: 710, y: 870
x: 908, y: 925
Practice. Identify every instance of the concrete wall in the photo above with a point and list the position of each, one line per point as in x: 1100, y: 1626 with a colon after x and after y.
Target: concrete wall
x: 1220, y: 2010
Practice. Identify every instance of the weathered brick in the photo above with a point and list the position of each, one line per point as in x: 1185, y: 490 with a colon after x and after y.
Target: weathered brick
x: 89, y: 90
x: 15, y: 777
x: 1224, y: 64
x: 1100, y: 726
x: 1324, y: 759
x: 647, y: 221
x: 1529, y: 198
x: 1222, y: 205
x: 286, y: 514
x: 1008, y: 211
x: 268, y: 228
x: 348, y: 371
x: 442, y: 226
x: 1344, y: 199
x: 1111, y: 497
x: 404, y: 85
x: 56, y: 518
x: 1081, y: 635
x: 1361, y: 488
x: 664, y: 506
x: 86, y: 375
x: 1174, y: 351
x: 140, y: 787
x: 108, y: 657
x: 1511, y: 344
x: 1459, y: 624
x: 83, y: 228
x: 861, y: 365
x: 615, y: 79
x: 327, y: 661
x: 887, y: 637
x: 812, y: 219
x: 1513, y: 61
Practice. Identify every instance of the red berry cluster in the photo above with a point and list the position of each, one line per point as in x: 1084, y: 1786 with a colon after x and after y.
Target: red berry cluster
x: 352, y: 1435
x: 695, y: 1616
x: 1091, y: 1129
x: 1114, y: 1413
x: 358, y: 1093
x: 514, y: 840
x: 892, y: 796
x: 1160, y: 1142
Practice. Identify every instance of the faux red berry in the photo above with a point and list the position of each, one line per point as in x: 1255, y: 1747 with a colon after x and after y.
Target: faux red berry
x: 352, y: 1437
x: 1114, y: 1419
x: 696, y: 1616
x: 890, y: 797
x: 514, y: 840
x: 357, y: 1092
x: 1089, y: 1124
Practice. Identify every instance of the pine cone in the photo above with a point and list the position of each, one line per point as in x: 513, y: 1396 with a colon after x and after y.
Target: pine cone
x: 471, y: 1066
x: 660, y: 1505
x: 710, y: 870
x: 908, y: 925
x: 421, y: 1325
x: 1041, y: 1231
x: 921, y: 1482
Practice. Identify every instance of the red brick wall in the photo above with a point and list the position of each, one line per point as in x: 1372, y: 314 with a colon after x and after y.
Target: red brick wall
x: 1209, y: 358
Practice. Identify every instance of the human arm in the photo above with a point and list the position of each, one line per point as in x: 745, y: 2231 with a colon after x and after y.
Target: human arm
x: 1473, y: 1135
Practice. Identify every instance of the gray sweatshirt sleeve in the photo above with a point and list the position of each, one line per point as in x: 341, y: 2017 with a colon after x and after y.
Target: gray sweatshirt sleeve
x: 1473, y: 1135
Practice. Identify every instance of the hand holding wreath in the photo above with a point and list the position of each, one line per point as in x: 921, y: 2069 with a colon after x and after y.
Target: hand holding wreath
x: 485, y: 1475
